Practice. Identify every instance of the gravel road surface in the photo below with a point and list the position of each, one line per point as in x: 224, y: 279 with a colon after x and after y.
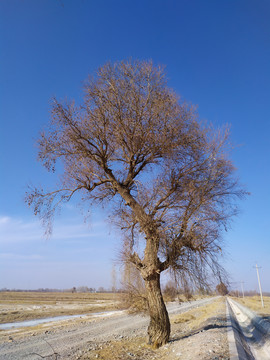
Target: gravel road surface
x: 68, y: 339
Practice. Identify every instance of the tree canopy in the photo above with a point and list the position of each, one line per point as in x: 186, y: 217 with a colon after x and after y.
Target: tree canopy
x: 168, y: 177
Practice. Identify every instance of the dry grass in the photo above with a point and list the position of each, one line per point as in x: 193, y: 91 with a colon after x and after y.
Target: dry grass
x: 135, y: 348
x: 184, y: 318
x: 40, y: 297
x: 20, y: 306
x: 195, y: 318
x: 254, y: 303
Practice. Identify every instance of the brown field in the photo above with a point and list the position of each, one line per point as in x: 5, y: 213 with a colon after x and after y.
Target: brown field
x: 20, y: 306
x: 254, y: 303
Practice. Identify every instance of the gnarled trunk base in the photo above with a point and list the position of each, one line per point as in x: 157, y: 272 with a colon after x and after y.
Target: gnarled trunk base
x: 159, y: 328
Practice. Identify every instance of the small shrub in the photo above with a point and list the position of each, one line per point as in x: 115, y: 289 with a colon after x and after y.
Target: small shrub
x: 222, y: 289
x: 169, y: 292
x: 134, y: 301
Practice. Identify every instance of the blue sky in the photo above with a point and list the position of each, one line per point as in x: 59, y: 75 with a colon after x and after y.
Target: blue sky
x: 217, y: 55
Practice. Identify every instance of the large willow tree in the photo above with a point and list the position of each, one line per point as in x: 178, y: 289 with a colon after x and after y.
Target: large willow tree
x: 170, y: 184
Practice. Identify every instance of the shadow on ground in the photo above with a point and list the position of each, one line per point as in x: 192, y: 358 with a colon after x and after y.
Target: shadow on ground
x: 219, y: 323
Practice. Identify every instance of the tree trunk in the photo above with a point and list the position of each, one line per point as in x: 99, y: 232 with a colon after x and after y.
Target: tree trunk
x: 159, y: 328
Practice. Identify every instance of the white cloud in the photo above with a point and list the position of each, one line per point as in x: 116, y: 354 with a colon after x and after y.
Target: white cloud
x: 16, y: 230
x: 4, y: 219
x: 13, y: 256
x: 28, y: 261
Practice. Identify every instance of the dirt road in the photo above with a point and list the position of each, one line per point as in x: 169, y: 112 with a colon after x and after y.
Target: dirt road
x: 66, y: 340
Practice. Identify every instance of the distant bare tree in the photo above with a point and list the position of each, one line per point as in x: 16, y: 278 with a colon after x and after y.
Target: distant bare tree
x: 114, y: 279
x: 169, y: 181
x: 83, y: 289
x: 134, y: 293
x: 170, y: 291
x: 222, y: 289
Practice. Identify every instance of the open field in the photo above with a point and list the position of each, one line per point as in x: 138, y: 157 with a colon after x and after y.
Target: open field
x: 20, y: 306
x: 254, y: 303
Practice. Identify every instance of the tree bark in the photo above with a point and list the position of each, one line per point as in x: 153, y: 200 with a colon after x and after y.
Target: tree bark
x: 159, y: 328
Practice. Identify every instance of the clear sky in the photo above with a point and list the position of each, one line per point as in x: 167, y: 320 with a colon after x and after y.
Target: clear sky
x: 217, y: 55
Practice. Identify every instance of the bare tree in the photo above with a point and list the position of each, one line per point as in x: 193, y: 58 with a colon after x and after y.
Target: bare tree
x: 169, y: 181
x: 222, y: 289
x: 133, y: 290
x: 114, y: 279
x: 170, y: 291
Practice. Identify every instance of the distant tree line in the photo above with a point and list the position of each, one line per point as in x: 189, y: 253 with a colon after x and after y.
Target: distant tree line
x: 79, y: 289
x: 170, y: 290
x: 239, y: 293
